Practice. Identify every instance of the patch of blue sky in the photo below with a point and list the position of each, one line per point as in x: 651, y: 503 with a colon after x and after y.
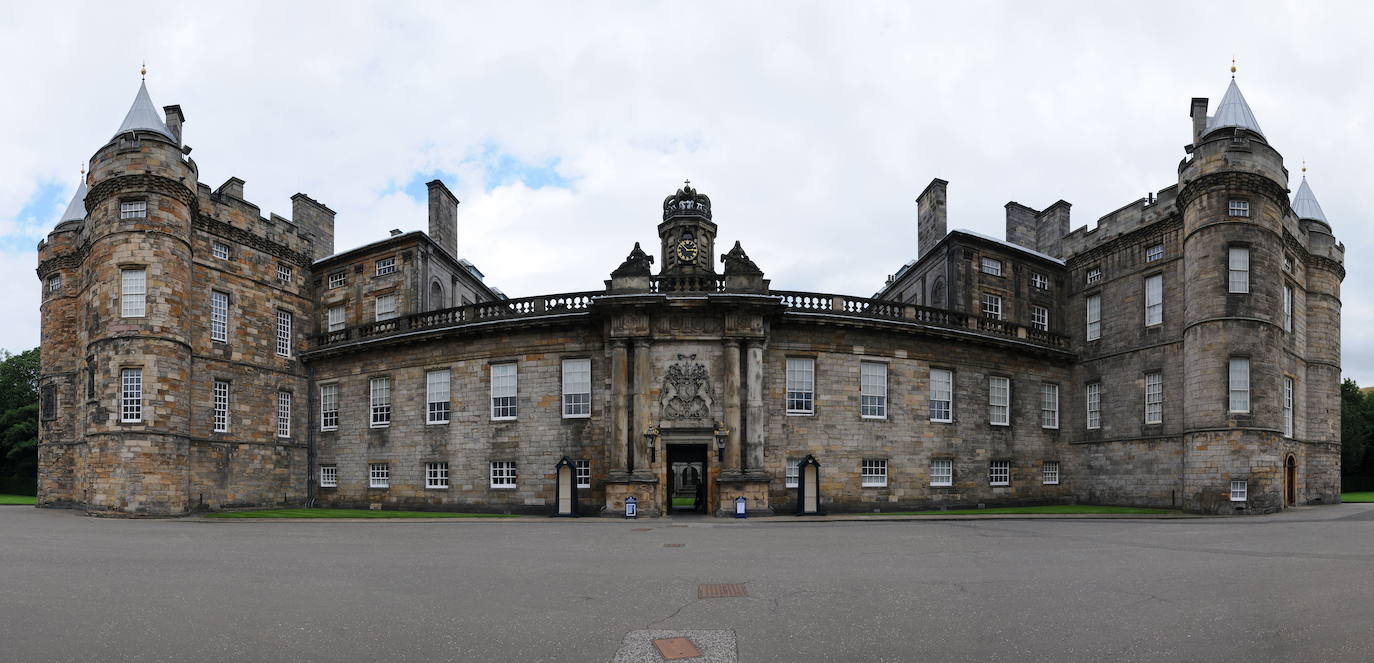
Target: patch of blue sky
x: 38, y: 215
x: 498, y: 169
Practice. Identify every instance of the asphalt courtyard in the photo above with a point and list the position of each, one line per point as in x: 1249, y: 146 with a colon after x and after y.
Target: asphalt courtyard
x: 1288, y: 587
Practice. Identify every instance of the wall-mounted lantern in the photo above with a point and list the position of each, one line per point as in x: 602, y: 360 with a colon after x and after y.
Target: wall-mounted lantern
x: 741, y: 508
x: 721, y: 433
x: 565, y: 489
x: 809, y: 487
x: 650, y: 442
x: 630, y: 509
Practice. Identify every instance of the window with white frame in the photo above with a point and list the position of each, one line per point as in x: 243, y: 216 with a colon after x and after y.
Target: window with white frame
x: 1239, y: 378
x: 378, y: 475
x: 999, y: 473
x: 283, y: 414
x: 1287, y: 307
x: 386, y: 266
x: 583, y: 471
x: 1094, y: 316
x: 335, y: 318
x: 381, y: 402
x: 1238, y: 208
x: 221, y: 399
x: 1040, y: 281
x: 219, y: 316
x: 385, y: 307
x: 55, y: 283
x: 1154, y: 398
x: 1154, y: 253
x: 337, y: 280
x: 801, y: 384
x: 1287, y: 406
x: 872, y: 390
x: 1094, y: 405
x: 873, y: 472
x: 284, y: 272
x: 283, y: 333
x: 791, y: 473
x: 941, y: 395
x: 502, y: 474
x: 437, y: 396
x: 131, y: 395
x: 1094, y: 275
x: 329, y: 406
x: 329, y: 476
x: 1288, y: 264
x: 1240, y: 491
x: 577, y: 388
x: 992, y: 266
x: 1238, y: 279
x: 133, y: 292
x: 1049, y: 473
x: 503, y: 391
x: 1049, y: 405
x: 219, y: 250
x: 992, y: 307
x: 1154, y: 300
x: 436, y: 475
x: 942, y: 472
x: 999, y: 400
x: 1040, y: 318
x: 133, y: 209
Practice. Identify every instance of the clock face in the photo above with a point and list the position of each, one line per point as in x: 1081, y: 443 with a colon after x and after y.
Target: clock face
x: 687, y: 250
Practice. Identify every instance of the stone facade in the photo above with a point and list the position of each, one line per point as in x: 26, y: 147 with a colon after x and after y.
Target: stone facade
x: 401, y: 380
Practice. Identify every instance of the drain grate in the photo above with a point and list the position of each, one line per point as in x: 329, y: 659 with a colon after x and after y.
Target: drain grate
x: 674, y: 545
x: 720, y: 591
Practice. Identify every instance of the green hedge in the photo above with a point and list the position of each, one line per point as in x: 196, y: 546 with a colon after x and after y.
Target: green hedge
x: 19, y: 485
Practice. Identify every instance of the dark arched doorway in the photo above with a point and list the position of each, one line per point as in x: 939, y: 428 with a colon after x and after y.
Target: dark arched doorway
x: 1290, y: 481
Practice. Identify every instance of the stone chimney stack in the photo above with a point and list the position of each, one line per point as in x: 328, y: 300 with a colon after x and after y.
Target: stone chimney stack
x: 1199, y: 115
x: 443, y: 217
x: 931, y: 225
x: 314, y: 218
x: 174, y: 120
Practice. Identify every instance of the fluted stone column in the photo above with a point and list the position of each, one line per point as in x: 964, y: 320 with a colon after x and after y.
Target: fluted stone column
x: 732, y: 406
x: 643, y: 374
x: 754, y: 415
x: 620, y: 413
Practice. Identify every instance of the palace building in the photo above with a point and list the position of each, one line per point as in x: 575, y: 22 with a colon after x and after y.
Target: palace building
x: 198, y: 355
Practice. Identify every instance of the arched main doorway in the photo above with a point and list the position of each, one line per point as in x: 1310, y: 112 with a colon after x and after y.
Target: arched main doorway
x: 1290, y: 481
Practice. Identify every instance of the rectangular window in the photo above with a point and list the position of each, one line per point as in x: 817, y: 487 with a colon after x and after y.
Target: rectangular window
x: 329, y: 407
x: 801, y: 384
x: 992, y: 266
x: 338, y: 280
x: 1094, y: 410
x: 329, y: 476
x: 1154, y: 300
x: 283, y: 414
x: 583, y: 470
x: 219, y: 250
x: 1094, y: 308
x: 283, y: 333
x: 502, y: 474
x: 1239, y: 262
x: 1240, y: 384
x: 386, y: 266
x: 437, y: 396
x: 999, y: 473
x: 1094, y: 275
x: 1154, y: 253
x: 378, y: 475
x: 1288, y: 264
x: 874, y: 473
x: 503, y: 391
x: 386, y: 307
x: 335, y: 318
x: 1287, y: 307
x: 1287, y: 406
x: 436, y: 475
x: 992, y: 307
x: 941, y: 395
x: 221, y: 398
x: 791, y: 473
x: 219, y: 316
x: 999, y: 401
x: 872, y: 390
x: 1154, y: 398
x: 1049, y: 473
x: 131, y: 395
x: 1040, y: 318
x: 283, y: 273
x: 55, y: 283
x: 577, y: 388
x: 133, y: 293
x: 1049, y: 406
x: 942, y: 472
x: 1040, y: 281
x: 1238, y: 208
x: 1240, y: 491
x: 133, y: 209
x: 381, y: 402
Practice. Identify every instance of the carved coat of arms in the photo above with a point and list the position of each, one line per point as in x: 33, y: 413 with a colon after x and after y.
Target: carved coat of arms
x: 686, y: 390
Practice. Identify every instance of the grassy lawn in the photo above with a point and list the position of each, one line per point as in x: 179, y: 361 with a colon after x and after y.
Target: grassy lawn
x: 1367, y: 496
x: 1054, y: 509
x: 348, y: 513
x: 16, y: 499
x: 683, y: 501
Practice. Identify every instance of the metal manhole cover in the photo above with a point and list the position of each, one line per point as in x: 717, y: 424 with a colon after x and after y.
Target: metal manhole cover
x: 720, y: 591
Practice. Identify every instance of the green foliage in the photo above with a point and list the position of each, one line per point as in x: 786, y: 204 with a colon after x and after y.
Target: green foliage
x: 349, y: 513
x: 1357, y: 425
x: 1050, y: 509
x: 19, y: 413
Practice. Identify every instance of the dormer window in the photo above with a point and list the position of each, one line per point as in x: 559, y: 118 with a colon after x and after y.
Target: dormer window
x: 1238, y: 208
x: 1094, y: 275
x: 133, y: 209
x: 992, y: 266
x: 386, y: 266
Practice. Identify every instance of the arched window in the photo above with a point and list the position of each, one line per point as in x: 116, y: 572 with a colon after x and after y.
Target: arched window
x: 937, y: 293
x: 436, y: 296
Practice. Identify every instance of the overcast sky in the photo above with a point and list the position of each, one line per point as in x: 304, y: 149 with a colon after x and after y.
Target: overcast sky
x: 561, y: 126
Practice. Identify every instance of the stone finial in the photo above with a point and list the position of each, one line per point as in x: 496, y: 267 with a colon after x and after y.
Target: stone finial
x: 738, y: 262
x: 636, y: 264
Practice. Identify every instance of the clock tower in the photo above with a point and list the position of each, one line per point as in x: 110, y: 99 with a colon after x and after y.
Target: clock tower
x: 687, y: 234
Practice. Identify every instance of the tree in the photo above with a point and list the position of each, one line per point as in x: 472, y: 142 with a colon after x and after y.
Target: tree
x: 1357, y: 423
x: 19, y: 413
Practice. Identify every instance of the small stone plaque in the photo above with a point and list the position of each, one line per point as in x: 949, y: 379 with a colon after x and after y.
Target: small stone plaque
x: 675, y: 649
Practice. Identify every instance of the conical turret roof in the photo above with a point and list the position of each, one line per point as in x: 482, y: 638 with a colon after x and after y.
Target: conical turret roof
x: 143, y: 116
x: 1305, y: 204
x: 76, y: 209
x: 1233, y: 112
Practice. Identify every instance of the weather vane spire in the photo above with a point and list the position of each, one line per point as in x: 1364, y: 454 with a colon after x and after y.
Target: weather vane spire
x: 143, y: 71
x: 1304, y: 167
x: 1233, y: 67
